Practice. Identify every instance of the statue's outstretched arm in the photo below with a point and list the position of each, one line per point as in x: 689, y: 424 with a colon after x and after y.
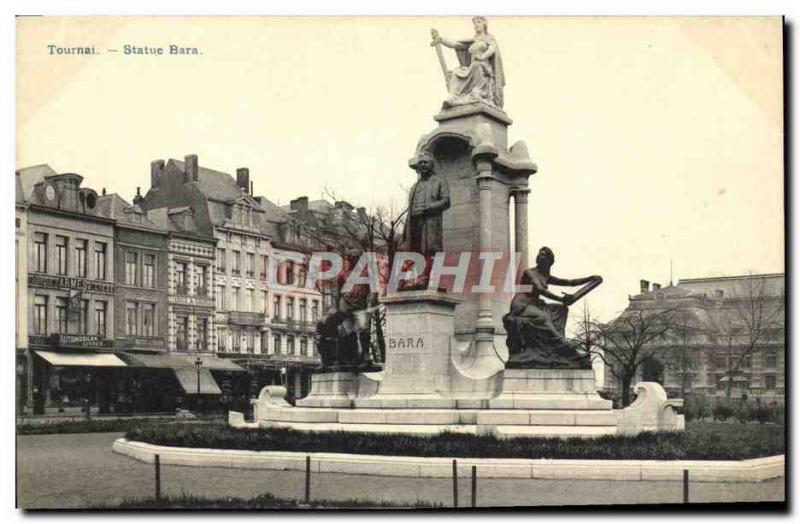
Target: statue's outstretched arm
x: 571, y: 282
x: 453, y: 44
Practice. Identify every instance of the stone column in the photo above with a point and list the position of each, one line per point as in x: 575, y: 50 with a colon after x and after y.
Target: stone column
x: 484, y: 325
x: 521, y: 226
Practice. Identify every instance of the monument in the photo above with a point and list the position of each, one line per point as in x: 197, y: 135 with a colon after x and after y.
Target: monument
x: 474, y: 361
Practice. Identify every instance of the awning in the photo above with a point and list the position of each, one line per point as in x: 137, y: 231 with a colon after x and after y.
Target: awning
x: 188, y: 380
x: 180, y: 361
x: 59, y: 358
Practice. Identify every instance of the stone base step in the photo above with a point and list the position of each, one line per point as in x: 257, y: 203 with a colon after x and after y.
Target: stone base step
x: 423, y: 417
x: 502, y: 431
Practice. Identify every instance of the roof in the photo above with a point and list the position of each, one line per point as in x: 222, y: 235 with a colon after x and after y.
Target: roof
x: 319, y: 206
x: 28, y: 177
x: 216, y: 185
x: 114, y: 206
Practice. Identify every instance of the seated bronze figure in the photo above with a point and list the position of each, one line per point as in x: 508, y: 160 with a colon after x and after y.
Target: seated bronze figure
x: 536, y: 328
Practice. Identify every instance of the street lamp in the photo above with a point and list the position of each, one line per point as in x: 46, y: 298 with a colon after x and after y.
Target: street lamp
x: 198, y: 364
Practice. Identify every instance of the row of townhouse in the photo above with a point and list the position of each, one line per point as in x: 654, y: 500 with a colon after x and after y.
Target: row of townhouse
x: 135, y: 306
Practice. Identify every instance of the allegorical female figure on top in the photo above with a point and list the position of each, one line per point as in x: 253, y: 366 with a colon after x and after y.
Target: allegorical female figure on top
x: 479, y: 78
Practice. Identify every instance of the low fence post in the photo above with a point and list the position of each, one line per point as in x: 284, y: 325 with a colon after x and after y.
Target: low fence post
x: 685, y: 486
x: 158, y: 478
x: 308, y: 479
x: 455, y: 484
x: 474, y: 486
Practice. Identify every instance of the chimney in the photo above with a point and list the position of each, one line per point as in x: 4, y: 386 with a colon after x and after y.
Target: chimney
x: 251, y: 188
x: 243, y: 178
x: 299, y: 204
x: 190, y: 167
x: 362, y: 211
x: 656, y: 287
x: 104, y: 192
x: 644, y: 286
x: 156, y: 166
x: 138, y: 198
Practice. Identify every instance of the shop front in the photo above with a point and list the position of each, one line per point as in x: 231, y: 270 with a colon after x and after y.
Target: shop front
x: 73, y: 374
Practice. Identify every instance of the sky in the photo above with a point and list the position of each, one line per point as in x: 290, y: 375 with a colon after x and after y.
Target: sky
x: 658, y: 140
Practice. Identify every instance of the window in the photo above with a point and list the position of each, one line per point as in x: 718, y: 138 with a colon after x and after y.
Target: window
x: 769, y: 382
x: 131, y: 318
x: 149, y: 271
x: 276, y: 344
x: 222, y: 341
x: 221, y: 298
x: 770, y: 358
x: 80, y: 258
x: 236, y: 339
x: 220, y: 264
x: 248, y: 300
x: 303, y: 305
x: 202, y: 339
x: 251, y: 342
x: 61, y: 315
x: 264, y: 266
x: 100, y: 318
x: 100, y: 260
x: 61, y: 254
x: 236, y: 263
x: 264, y: 303
x: 235, y: 305
x: 181, y: 333
x: 180, y: 278
x: 276, y: 307
x: 301, y: 277
x: 264, y: 343
x: 290, y: 344
x: 40, y: 252
x: 40, y: 315
x: 251, y: 264
x: 289, y: 273
x: 289, y: 308
x: 83, y: 319
x: 314, y: 310
x: 131, y: 261
x: 202, y: 281
x: 747, y: 361
x: 148, y: 320
x: 303, y: 346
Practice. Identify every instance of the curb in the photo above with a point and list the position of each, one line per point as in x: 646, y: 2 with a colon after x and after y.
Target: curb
x: 750, y: 470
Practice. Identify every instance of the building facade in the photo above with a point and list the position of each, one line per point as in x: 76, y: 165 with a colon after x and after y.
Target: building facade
x: 69, y: 314
x: 263, y: 317
x: 715, y: 349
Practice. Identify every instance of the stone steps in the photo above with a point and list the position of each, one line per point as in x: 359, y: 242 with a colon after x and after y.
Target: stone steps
x: 445, y: 417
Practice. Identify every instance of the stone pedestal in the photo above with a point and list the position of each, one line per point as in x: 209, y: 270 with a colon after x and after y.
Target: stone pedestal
x: 419, y: 327
x: 549, y: 389
x: 339, y: 389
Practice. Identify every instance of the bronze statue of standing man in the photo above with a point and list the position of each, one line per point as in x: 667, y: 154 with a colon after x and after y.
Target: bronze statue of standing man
x: 428, y: 199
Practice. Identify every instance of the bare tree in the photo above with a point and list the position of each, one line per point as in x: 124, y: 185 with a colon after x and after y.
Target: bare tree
x: 747, y: 321
x: 351, y: 231
x: 684, y: 350
x: 628, y: 342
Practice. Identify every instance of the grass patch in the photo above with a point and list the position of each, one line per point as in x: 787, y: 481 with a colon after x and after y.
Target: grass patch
x: 700, y: 441
x: 264, y: 501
